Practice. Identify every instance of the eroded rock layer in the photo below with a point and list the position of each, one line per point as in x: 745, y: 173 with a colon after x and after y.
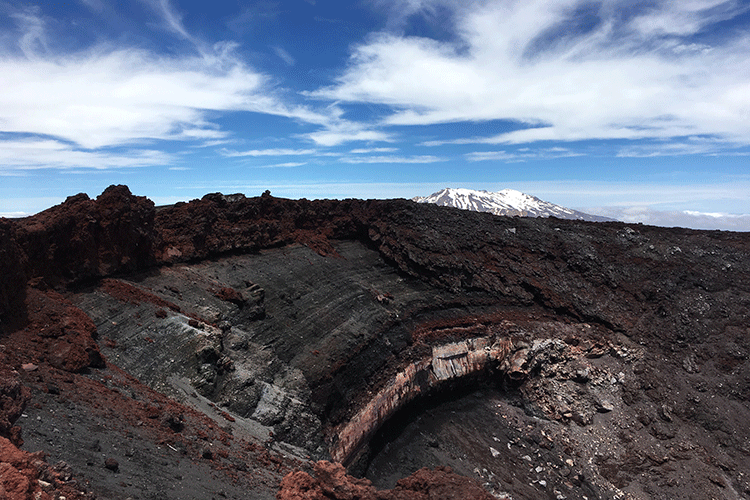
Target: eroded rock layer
x: 302, y: 327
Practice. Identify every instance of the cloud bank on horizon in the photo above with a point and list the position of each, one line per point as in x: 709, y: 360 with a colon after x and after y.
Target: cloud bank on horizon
x: 382, y: 98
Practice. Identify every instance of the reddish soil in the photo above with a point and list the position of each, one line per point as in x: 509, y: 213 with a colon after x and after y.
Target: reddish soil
x: 331, y: 482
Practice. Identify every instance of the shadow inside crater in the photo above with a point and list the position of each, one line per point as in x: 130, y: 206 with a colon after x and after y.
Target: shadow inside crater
x: 467, y: 427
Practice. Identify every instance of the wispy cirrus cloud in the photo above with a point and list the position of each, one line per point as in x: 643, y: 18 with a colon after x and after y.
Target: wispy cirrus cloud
x: 289, y: 164
x: 106, y: 96
x: 268, y: 152
x: 172, y: 19
x: 35, y: 153
x: 363, y: 151
x: 130, y: 96
x: 392, y: 159
x: 522, y: 154
x: 686, y: 18
x: 689, y: 146
x: 632, y: 76
x: 344, y: 131
x: 283, y: 55
x: 33, y: 36
x: 95, y: 5
x: 109, y: 95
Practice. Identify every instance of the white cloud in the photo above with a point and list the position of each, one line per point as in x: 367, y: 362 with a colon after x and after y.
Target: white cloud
x: 108, y: 96
x: 695, y: 146
x: 613, y: 82
x: 392, y: 159
x: 31, y: 154
x: 522, y: 154
x: 172, y: 19
x: 493, y: 156
x: 684, y: 218
x: 33, y: 37
x: 268, y: 152
x: 22, y: 207
x: 104, y: 98
x: 289, y: 164
x: 10, y: 215
x: 284, y: 55
x: 362, y: 151
x: 339, y: 133
x: 95, y: 5
x: 319, y: 189
x: 686, y: 17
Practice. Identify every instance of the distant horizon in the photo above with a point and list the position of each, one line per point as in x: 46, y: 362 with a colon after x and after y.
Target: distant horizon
x: 637, y: 109
x: 628, y: 215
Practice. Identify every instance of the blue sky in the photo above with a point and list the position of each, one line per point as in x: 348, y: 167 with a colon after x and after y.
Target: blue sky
x: 638, y: 110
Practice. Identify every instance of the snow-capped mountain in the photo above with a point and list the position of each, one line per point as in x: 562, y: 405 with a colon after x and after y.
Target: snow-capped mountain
x: 505, y: 202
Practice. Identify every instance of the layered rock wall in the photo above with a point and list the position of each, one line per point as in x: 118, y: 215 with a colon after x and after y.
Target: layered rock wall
x: 448, y: 362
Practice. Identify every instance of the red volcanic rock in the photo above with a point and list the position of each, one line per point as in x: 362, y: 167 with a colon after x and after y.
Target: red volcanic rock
x: 67, y: 332
x: 83, y: 238
x: 219, y: 224
x: 441, y: 483
x: 331, y: 482
x: 19, y: 472
x: 13, y: 399
x: 26, y: 476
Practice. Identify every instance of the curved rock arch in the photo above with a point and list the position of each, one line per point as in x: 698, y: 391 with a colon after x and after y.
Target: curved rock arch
x: 447, y: 363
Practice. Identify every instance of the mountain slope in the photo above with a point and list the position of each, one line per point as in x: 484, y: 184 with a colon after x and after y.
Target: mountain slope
x: 505, y: 202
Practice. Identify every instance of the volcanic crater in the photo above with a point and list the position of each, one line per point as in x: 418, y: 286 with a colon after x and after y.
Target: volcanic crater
x: 238, y: 347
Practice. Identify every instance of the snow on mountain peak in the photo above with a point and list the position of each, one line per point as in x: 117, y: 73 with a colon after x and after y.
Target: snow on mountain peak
x: 505, y: 202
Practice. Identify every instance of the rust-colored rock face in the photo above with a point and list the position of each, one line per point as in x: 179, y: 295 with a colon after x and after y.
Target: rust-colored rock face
x: 218, y: 224
x: 83, y: 239
x: 65, y: 332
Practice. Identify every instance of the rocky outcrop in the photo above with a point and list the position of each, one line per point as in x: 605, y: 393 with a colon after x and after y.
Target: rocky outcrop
x: 66, y: 334
x: 218, y: 224
x: 27, y: 476
x: 82, y: 239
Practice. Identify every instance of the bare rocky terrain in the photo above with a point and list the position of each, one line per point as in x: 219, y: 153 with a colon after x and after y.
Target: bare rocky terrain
x: 237, y: 347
